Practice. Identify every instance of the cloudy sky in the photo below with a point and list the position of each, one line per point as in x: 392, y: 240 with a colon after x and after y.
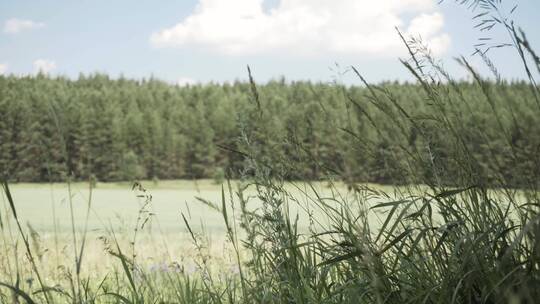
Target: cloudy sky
x: 188, y: 41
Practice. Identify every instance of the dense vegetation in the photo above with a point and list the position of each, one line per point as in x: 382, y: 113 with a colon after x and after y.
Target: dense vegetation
x: 458, y: 232
x: 96, y: 127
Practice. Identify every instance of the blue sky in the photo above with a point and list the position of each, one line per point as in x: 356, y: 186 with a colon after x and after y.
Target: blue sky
x: 213, y: 40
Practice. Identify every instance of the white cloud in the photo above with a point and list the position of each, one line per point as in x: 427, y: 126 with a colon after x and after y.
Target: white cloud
x: 241, y: 27
x: 428, y: 25
x: 3, y: 68
x: 185, y: 81
x: 43, y: 65
x: 14, y: 25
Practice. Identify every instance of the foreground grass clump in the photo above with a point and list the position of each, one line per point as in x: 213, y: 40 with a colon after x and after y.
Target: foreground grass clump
x: 458, y: 231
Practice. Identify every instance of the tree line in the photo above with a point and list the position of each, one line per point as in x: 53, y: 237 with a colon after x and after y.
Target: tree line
x: 107, y: 129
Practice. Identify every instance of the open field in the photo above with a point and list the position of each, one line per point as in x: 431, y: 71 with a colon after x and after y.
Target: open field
x: 165, y: 249
x: 117, y: 205
x: 163, y: 244
x: 114, y: 204
x: 115, y: 208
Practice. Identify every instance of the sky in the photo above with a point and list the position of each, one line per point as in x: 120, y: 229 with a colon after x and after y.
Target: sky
x: 201, y: 41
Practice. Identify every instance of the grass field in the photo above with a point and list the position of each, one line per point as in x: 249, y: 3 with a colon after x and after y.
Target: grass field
x: 114, y: 207
x: 163, y: 244
x: 201, y: 249
x: 455, y: 227
x: 114, y: 204
x: 117, y: 205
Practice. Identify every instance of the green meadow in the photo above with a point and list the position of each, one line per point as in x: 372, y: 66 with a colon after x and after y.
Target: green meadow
x: 116, y: 205
x: 164, y: 242
x: 46, y: 206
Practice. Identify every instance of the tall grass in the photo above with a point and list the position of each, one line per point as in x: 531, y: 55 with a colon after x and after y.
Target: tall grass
x: 433, y: 240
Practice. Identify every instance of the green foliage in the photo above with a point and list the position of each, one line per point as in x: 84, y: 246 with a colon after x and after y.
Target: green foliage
x: 124, y: 129
x: 219, y: 176
x: 130, y: 168
x: 459, y: 232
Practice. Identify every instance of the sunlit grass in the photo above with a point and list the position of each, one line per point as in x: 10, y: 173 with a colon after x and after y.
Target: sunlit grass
x: 265, y: 239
